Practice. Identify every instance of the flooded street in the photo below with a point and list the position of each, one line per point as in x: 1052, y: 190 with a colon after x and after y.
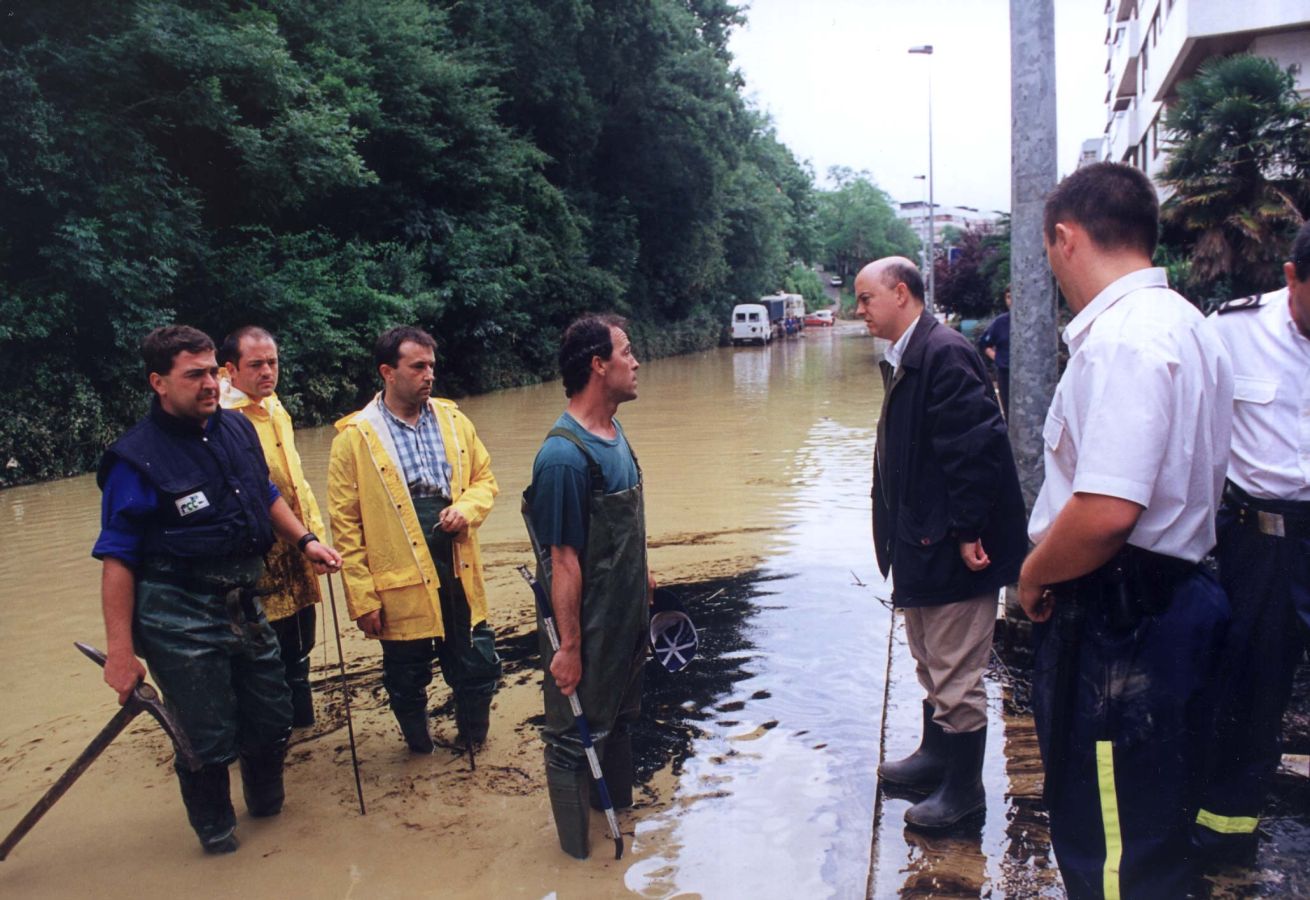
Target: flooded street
x: 757, y: 763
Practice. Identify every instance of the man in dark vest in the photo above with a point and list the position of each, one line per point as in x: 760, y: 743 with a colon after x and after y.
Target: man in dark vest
x: 948, y: 522
x: 587, y: 524
x: 188, y: 513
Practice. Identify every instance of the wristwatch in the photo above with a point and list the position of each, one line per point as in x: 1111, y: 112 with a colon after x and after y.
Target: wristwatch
x: 305, y: 539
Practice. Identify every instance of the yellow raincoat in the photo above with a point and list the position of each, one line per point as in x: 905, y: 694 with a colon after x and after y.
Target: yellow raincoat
x: 387, y: 565
x: 288, y: 576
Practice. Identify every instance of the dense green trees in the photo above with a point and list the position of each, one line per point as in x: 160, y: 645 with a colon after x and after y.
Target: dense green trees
x: 329, y: 167
x: 855, y: 223
x: 1239, y: 172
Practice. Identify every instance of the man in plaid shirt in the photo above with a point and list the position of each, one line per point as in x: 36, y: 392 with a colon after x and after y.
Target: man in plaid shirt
x: 409, y: 482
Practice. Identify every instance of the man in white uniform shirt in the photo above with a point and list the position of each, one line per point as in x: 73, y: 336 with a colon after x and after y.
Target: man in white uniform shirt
x: 1263, y: 552
x: 1136, y: 445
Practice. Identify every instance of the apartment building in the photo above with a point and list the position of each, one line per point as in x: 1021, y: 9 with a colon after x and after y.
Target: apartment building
x: 1153, y: 45
x: 915, y: 214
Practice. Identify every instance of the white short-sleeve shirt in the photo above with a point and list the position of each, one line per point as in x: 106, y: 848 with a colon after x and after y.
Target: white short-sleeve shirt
x: 1271, y: 399
x: 1143, y: 413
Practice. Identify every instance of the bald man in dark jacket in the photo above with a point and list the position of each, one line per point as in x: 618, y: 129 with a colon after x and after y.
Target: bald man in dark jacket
x: 949, y: 525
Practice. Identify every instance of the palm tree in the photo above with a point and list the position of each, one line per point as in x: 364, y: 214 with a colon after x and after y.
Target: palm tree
x: 1239, y: 160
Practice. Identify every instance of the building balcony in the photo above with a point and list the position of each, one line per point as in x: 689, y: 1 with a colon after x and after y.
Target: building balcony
x: 1123, y: 61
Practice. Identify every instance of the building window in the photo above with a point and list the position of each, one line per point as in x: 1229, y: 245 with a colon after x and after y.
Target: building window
x: 1155, y: 138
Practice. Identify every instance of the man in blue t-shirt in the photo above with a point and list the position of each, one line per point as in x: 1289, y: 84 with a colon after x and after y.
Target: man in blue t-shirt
x: 585, y: 516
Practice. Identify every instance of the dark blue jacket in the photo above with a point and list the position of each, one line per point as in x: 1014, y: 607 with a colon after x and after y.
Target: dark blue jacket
x: 998, y: 335
x: 947, y: 475
x: 212, y: 484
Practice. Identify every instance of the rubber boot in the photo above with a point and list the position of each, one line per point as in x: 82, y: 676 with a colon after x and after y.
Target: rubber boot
x: 414, y: 726
x: 616, y: 765
x: 302, y: 698
x: 261, y: 779
x: 921, y: 771
x: 207, y: 797
x: 961, y: 793
x: 568, y: 803
x: 473, y: 719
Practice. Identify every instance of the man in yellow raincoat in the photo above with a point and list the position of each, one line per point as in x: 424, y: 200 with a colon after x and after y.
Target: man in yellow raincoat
x: 290, y: 588
x: 409, y: 482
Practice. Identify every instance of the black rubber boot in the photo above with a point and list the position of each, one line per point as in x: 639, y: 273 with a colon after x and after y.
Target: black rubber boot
x: 616, y: 765
x: 207, y: 797
x: 302, y: 698
x: 414, y: 726
x: 568, y: 803
x: 921, y: 771
x: 261, y: 779
x: 473, y: 719
x: 961, y: 793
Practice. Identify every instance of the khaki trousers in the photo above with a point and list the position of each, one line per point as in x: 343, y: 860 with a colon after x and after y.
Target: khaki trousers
x: 950, y: 645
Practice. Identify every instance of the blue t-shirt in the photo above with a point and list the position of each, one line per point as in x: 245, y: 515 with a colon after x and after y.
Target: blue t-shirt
x: 561, y: 482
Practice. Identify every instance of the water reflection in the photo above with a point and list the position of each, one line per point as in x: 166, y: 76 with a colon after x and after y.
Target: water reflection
x: 778, y: 789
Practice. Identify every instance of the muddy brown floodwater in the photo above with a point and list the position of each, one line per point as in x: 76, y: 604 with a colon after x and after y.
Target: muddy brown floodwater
x: 757, y: 763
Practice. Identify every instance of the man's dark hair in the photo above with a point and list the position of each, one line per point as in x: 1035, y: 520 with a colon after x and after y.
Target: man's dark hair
x: 1301, y: 253
x: 230, y: 350
x: 1115, y: 203
x: 587, y: 337
x: 386, y: 352
x: 898, y: 271
x: 160, y: 347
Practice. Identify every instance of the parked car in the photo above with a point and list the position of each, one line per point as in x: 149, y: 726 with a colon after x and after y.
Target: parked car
x: 835, y: 281
x: 820, y: 317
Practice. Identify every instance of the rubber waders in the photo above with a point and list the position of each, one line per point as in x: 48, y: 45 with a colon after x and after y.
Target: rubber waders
x: 616, y: 763
x: 208, y: 800
x: 961, y: 792
x: 261, y: 779
x: 302, y: 698
x: 414, y: 726
x: 568, y: 803
x: 920, y: 772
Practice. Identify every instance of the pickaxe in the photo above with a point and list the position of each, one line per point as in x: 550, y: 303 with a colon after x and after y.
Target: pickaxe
x: 144, y: 698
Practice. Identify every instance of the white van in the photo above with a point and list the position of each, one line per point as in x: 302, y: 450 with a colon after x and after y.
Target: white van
x: 750, y: 322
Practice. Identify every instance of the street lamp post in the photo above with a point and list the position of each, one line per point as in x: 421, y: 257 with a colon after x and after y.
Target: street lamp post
x: 925, y: 253
x: 926, y: 50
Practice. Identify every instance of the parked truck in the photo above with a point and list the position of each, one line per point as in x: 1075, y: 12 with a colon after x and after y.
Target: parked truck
x: 786, y: 312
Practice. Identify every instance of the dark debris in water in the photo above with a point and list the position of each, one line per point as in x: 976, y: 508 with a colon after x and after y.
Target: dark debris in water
x: 673, y: 704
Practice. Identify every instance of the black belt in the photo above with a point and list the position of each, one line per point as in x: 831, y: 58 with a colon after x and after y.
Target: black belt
x: 1135, y: 583
x: 1275, y: 518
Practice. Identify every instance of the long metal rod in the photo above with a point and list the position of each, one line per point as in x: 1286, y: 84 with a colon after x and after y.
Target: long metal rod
x: 345, y: 695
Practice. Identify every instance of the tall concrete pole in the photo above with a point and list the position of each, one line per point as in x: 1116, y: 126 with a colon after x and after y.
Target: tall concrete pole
x: 1033, y: 338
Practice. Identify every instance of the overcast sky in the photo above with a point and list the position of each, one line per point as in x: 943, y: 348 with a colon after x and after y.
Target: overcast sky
x: 836, y: 77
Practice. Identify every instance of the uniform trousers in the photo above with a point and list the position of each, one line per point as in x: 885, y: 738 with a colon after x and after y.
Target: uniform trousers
x: 1123, y: 751
x: 1267, y: 579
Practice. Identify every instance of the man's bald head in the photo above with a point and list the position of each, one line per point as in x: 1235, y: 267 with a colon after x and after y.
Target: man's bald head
x: 889, y: 296
x: 896, y: 269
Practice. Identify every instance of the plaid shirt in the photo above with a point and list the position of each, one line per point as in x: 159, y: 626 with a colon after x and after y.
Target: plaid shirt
x: 422, y: 453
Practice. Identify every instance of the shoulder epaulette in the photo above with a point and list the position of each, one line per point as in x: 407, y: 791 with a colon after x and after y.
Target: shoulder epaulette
x: 1240, y: 304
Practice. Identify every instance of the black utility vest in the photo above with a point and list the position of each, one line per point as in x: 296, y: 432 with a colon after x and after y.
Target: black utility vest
x: 212, y: 484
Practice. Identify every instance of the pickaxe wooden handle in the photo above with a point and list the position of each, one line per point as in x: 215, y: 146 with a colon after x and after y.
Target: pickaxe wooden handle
x: 144, y: 698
